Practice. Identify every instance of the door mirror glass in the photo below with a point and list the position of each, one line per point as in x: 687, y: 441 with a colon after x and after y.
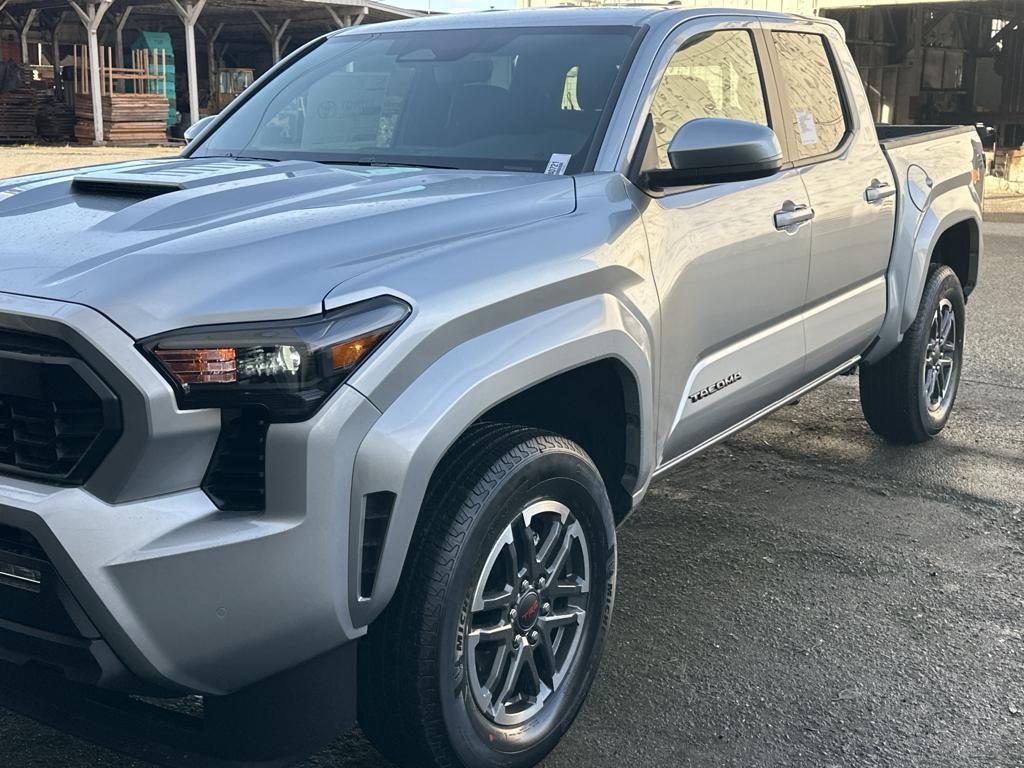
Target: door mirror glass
x: 712, y: 150
x: 198, y: 127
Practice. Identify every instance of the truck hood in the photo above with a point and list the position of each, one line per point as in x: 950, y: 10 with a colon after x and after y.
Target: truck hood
x: 167, y: 244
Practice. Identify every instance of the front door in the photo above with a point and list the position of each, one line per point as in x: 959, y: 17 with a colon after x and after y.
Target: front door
x: 731, y: 274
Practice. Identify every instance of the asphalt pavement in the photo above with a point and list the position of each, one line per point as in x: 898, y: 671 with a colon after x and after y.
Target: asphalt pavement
x: 804, y: 594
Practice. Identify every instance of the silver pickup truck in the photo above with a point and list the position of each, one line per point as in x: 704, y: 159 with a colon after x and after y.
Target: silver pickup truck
x: 384, y: 357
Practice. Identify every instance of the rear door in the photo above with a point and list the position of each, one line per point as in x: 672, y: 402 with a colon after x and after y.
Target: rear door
x: 731, y: 282
x: 849, y: 186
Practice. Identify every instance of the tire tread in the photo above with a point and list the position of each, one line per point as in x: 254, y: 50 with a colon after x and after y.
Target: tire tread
x: 889, y: 394
x: 398, y: 711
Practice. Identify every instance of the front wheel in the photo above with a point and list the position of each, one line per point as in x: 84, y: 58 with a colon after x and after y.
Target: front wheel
x: 487, y: 652
x: 908, y: 395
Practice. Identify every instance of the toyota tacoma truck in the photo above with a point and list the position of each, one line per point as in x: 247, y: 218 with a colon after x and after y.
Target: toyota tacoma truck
x: 334, y: 416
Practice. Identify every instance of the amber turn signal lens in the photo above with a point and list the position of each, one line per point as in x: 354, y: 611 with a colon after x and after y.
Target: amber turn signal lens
x: 348, y: 353
x: 200, y: 366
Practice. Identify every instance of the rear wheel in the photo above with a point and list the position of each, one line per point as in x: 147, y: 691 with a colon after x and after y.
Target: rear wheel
x: 486, y: 653
x: 908, y: 395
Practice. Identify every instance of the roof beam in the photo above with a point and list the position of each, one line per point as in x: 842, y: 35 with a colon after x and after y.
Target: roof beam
x: 274, y: 33
x: 341, y: 21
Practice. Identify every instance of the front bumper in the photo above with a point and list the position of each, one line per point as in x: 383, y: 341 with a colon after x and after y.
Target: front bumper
x: 175, y: 595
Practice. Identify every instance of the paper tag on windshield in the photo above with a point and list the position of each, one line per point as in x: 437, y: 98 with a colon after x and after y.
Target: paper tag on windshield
x: 805, y: 122
x: 557, y: 165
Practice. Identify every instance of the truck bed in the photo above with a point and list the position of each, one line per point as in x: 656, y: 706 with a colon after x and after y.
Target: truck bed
x: 938, y: 172
x: 893, y: 136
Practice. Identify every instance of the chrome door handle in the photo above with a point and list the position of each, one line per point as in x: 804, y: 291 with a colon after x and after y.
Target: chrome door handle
x: 790, y: 216
x: 878, y: 191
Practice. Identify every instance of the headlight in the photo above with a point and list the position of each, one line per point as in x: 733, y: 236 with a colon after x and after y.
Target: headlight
x: 289, y: 367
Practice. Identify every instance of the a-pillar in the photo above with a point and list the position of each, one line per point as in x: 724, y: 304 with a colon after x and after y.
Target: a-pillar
x: 189, y: 14
x: 274, y: 33
x: 91, y: 17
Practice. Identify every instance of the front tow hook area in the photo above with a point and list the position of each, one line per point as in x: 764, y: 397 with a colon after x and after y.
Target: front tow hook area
x: 270, y: 724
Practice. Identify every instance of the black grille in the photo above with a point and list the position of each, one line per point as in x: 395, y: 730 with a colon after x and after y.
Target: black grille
x: 236, y: 477
x: 57, y: 418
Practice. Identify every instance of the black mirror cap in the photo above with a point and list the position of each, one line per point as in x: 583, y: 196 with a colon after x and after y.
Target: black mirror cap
x: 712, y: 150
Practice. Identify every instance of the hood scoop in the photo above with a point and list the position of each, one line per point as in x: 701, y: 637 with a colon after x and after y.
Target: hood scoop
x: 161, y: 177
x: 124, y: 187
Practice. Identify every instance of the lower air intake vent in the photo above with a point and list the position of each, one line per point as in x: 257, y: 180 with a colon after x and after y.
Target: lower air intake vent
x: 376, y: 518
x: 236, y: 477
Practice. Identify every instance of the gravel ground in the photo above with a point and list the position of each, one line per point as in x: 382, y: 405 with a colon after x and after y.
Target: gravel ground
x: 804, y: 595
x: 23, y: 160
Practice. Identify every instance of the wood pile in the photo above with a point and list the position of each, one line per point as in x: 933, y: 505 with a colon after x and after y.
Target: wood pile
x: 134, y: 99
x: 55, y: 120
x: 17, y: 105
x: 128, y: 118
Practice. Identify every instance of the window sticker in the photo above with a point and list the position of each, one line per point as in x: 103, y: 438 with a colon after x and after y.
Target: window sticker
x: 557, y: 165
x: 805, y: 123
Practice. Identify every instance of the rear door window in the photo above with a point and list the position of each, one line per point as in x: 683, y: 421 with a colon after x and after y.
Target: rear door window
x: 816, y: 116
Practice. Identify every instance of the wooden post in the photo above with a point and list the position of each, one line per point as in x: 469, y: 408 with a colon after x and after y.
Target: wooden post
x: 189, y: 15
x: 274, y: 33
x: 336, y: 19
x: 211, y: 57
x: 348, y: 20
x: 119, y: 35
x: 26, y: 26
x: 91, y: 17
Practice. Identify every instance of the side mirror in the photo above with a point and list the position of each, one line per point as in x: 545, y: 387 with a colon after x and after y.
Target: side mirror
x: 711, y: 150
x: 198, y: 127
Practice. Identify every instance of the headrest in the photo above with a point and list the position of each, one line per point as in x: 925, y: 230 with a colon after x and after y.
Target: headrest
x: 594, y: 83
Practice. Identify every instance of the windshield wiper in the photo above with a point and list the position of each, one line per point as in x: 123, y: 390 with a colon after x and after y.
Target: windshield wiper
x: 389, y: 164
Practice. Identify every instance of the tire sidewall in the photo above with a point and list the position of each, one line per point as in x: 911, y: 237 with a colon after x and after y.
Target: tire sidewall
x: 942, y: 285
x: 566, y: 477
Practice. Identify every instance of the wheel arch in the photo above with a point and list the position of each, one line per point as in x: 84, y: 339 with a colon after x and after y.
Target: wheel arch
x: 946, y: 225
x: 504, y: 374
x: 597, y: 406
x: 958, y: 247
x: 952, y: 221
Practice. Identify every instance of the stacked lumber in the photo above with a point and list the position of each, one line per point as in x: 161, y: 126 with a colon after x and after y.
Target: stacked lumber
x: 17, y: 116
x: 17, y: 104
x: 55, y: 120
x: 128, y: 118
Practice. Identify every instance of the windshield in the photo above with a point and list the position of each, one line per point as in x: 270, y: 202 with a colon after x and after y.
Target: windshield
x: 495, y: 99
